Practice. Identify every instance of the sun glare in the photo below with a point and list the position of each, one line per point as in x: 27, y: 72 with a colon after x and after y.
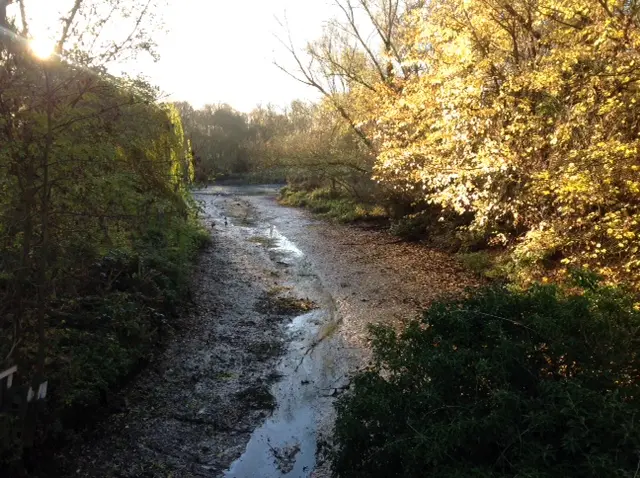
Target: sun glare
x: 42, y: 48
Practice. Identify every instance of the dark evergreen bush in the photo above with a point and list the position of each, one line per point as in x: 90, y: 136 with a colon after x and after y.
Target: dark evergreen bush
x: 535, y: 384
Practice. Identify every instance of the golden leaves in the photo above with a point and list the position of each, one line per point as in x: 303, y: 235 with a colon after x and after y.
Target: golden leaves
x: 531, y: 121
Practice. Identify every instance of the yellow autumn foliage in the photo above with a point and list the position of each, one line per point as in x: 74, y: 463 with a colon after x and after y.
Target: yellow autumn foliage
x: 524, y: 113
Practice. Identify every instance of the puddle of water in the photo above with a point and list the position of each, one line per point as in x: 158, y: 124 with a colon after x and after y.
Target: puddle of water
x: 285, y: 445
x: 241, y: 190
x: 293, y: 426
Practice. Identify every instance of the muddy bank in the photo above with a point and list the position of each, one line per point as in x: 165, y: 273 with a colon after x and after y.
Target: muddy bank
x: 358, y: 276
x: 193, y: 411
x: 282, y: 303
x: 371, y: 275
x: 316, y: 361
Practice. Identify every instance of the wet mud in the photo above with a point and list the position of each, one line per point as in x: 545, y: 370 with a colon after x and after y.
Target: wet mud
x: 246, y: 388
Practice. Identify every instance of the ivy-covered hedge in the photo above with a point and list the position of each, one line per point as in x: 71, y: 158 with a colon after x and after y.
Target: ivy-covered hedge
x: 541, y: 383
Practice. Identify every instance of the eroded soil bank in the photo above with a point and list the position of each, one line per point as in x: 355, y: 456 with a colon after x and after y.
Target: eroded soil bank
x: 246, y: 387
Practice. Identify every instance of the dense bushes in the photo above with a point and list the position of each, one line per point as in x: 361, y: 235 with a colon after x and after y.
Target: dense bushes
x: 522, y: 116
x: 121, y: 308
x: 534, y: 384
x: 105, y: 332
x: 97, y: 229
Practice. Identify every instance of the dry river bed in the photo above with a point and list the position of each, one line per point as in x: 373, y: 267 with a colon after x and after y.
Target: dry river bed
x: 246, y: 387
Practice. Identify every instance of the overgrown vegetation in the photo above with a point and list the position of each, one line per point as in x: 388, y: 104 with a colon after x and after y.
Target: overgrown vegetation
x: 540, y: 383
x: 97, y: 227
x: 506, y: 132
x: 331, y: 204
x: 481, y: 120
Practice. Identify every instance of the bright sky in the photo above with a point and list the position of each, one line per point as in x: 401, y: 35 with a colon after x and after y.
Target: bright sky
x: 220, y: 50
x: 223, y: 50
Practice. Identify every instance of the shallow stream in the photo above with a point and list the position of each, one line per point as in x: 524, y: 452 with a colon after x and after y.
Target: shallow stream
x: 246, y: 390
x: 314, y: 366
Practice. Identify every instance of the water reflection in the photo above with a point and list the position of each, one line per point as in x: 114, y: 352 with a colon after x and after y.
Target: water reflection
x: 284, y: 244
x: 285, y: 445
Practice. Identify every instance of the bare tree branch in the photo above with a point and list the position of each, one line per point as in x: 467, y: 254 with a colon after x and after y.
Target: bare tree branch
x: 308, y: 79
x: 68, y: 22
x: 348, y: 11
x: 135, y: 29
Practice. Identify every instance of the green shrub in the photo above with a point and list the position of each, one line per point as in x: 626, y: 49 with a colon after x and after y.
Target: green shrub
x: 123, y: 307
x: 434, y: 226
x: 493, y: 264
x: 109, y: 330
x: 292, y: 197
x: 533, y: 384
x: 324, y: 194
